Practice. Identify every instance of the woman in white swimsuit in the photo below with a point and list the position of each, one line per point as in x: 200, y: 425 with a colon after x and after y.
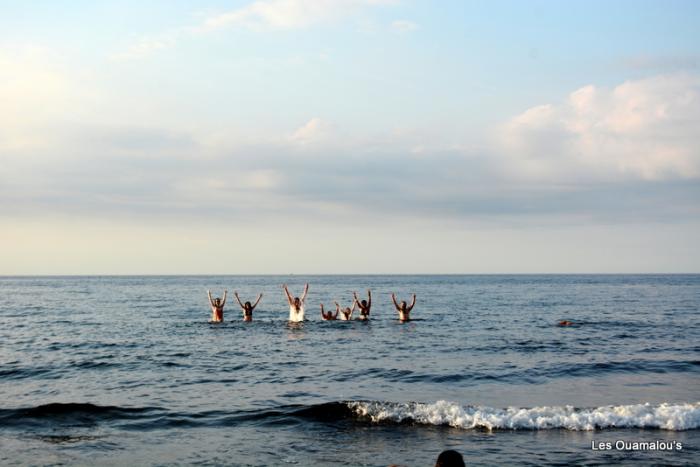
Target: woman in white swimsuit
x: 346, y: 313
x: 296, y: 304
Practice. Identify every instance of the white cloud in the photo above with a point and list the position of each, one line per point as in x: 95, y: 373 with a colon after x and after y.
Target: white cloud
x: 63, y: 155
x: 315, y: 131
x: 648, y: 128
x: 100, y: 161
x: 403, y: 25
x: 148, y: 45
x: 262, y: 14
x: 287, y: 14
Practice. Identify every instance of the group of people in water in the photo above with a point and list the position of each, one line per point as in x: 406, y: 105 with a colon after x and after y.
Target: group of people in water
x: 297, y: 304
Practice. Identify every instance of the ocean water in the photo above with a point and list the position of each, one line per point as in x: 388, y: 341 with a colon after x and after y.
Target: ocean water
x: 127, y: 370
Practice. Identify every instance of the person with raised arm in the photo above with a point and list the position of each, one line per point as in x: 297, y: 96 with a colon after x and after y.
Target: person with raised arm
x: 296, y: 304
x: 403, y: 309
x: 247, y: 307
x: 328, y: 315
x: 364, y: 305
x: 346, y: 313
x: 217, y: 307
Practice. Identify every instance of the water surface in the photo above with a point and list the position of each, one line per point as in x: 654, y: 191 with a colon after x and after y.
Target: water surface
x: 116, y: 370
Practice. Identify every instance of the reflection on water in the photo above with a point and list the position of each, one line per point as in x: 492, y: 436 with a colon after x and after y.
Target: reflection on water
x: 295, y: 330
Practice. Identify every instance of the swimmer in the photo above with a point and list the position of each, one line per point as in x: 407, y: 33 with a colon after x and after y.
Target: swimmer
x: 449, y: 458
x: 217, y: 307
x: 364, y: 305
x: 247, y: 307
x: 565, y: 323
x: 329, y: 316
x: 404, y: 309
x: 346, y: 313
x: 296, y: 304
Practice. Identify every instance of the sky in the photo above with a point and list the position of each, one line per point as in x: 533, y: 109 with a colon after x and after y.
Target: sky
x: 349, y: 137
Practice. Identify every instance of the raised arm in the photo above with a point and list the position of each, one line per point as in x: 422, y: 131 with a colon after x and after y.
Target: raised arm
x: 211, y: 302
x: 354, y: 294
x: 257, y: 301
x: 369, y: 298
x: 223, y: 300
x: 238, y: 299
x: 289, y: 296
x: 413, y: 303
x: 393, y: 299
x: 306, y: 290
x: 323, y: 312
x: 354, y: 304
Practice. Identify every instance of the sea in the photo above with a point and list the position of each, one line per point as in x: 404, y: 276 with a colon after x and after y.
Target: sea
x: 128, y: 370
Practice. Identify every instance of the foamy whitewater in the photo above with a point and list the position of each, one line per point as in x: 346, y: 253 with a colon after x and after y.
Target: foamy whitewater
x: 662, y: 416
x: 127, y: 370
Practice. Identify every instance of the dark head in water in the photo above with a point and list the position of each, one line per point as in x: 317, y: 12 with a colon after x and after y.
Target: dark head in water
x: 565, y: 323
x: 449, y: 458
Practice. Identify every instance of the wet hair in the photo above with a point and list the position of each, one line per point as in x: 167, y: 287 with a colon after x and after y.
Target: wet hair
x: 449, y: 458
x: 217, y: 302
x: 364, y: 302
x: 248, y: 305
x: 403, y: 305
x: 297, y: 301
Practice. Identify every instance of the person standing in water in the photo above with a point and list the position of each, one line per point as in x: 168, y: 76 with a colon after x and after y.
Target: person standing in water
x: 329, y: 316
x: 450, y: 458
x: 296, y: 304
x: 364, y: 305
x: 217, y: 307
x: 247, y: 307
x: 346, y: 313
x: 404, y: 309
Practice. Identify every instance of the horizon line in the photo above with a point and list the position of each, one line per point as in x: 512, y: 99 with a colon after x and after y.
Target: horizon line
x: 3, y: 276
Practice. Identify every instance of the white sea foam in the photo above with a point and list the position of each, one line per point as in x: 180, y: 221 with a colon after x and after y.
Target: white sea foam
x: 684, y: 416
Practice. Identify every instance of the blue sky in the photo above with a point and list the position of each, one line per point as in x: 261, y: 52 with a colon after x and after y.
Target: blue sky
x: 349, y: 136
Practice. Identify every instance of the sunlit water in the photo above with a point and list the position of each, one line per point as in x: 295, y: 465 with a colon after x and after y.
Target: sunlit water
x: 117, y: 370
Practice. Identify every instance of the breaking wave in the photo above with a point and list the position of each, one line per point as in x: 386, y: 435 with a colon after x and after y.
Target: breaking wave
x: 675, y: 417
